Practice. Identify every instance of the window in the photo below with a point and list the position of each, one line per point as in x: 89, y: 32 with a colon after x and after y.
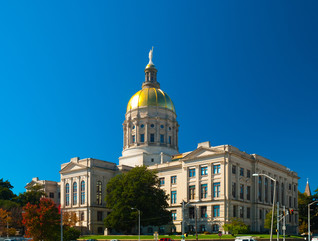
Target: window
x: 174, y: 214
x: 203, y: 212
x: 82, y: 192
x: 162, y: 126
x: 204, y: 190
x: 289, y: 187
x: 142, y: 126
x: 99, y: 216
x: 191, y: 192
x: 272, y: 190
x: 173, y: 197
x: 162, y: 138
x: 74, y: 193
x: 170, y: 140
x: 260, y: 214
x: 152, y: 137
x: 216, y: 169
x: 290, y: 201
x: 100, y: 230
x: 173, y: 179
x: 234, y: 169
x: 248, y: 212
x: 204, y: 171
x: 202, y: 228
x: 260, y: 189
x: 215, y: 228
x: 82, y: 216
x: 67, y: 194
x: 99, y: 193
x: 216, y: 189
x: 266, y: 189
x: 191, y: 212
x: 51, y: 194
x: 234, y: 190
x: 216, y: 211
x: 283, y: 194
x: 241, y: 212
x: 241, y: 191
x: 192, y: 172
x: 234, y: 211
x: 133, y: 139
x: 242, y: 172
x: 248, y: 193
x: 142, y: 138
x: 162, y: 181
x: 152, y: 125
x: 248, y: 173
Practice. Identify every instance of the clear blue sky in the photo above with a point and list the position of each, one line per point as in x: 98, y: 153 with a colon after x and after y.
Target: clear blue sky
x: 243, y: 73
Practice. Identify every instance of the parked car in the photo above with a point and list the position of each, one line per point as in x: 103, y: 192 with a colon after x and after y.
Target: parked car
x: 245, y: 238
x: 166, y: 239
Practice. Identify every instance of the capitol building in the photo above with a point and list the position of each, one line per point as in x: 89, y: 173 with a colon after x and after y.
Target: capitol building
x: 207, y: 186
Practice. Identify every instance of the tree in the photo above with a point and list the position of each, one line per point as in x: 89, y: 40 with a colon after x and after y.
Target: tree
x: 235, y: 226
x: 303, y: 201
x: 42, y: 221
x: 5, y: 220
x: 70, y: 218
x: 70, y: 233
x: 5, y: 190
x: 138, y: 189
x: 268, y: 221
x: 33, y: 196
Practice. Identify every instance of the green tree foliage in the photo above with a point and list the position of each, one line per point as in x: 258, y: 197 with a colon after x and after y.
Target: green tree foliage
x: 303, y: 201
x: 5, y: 190
x: 33, y: 196
x: 42, y: 221
x: 135, y: 190
x: 70, y: 233
x: 268, y: 221
x: 235, y: 226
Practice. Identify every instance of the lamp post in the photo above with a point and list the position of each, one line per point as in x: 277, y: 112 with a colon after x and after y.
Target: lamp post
x: 309, y: 219
x: 138, y: 222
x: 273, y: 208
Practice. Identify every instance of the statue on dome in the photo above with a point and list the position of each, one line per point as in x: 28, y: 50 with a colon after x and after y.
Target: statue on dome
x: 150, y: 56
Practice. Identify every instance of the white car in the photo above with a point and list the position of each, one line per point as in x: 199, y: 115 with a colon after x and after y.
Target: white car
x: 246, y: 238
x: 315, y: 238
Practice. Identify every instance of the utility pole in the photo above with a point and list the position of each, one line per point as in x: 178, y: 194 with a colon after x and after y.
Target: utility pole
x: 277, y: 221
x: 61, y: 224
x: 284, y: 222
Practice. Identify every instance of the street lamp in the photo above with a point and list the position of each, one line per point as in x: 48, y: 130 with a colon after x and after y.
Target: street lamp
x: 309, y: 219
x: 138, y: 222
x: 273, y: 208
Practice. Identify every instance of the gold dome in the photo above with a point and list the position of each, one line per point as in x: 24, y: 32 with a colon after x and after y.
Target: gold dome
x: 150, y: 97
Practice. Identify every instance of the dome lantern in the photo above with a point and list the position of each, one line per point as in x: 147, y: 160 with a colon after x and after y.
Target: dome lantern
x: 150, y: 74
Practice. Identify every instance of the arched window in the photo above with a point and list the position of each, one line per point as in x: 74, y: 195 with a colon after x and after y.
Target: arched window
x: 74, y: 193
x: 99, y: 193
x: 67, y: 194
x: 82, y: 192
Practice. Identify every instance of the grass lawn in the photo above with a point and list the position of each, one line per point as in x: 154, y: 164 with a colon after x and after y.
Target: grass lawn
x: 177, y: 237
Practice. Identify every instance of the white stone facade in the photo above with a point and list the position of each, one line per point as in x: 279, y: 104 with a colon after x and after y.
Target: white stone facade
x: 219, y: 194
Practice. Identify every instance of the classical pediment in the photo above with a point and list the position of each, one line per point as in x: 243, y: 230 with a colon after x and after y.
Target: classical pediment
x: 71, y: 166
x: 202, y: 152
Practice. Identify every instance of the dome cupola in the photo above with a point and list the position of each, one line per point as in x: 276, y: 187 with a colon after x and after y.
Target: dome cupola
x: 150, y: 126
